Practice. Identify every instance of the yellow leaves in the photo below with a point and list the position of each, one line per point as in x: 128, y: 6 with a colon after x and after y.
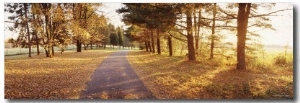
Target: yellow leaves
x: 131, y: 96
x: 166, y: 81
x: 170, y: 78
x: 61, y: 77
x: 104, y: 95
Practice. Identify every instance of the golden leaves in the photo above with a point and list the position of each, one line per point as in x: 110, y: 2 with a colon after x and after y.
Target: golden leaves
x: 176, y: 78
x: 61, y: 77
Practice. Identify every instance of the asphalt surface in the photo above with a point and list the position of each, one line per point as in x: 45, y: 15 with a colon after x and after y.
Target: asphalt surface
x: 115, y: 79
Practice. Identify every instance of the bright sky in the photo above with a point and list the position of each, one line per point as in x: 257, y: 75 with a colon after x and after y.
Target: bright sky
x: 109, y: 10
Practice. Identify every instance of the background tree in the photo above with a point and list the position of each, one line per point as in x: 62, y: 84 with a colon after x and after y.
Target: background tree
x: 20, y: 20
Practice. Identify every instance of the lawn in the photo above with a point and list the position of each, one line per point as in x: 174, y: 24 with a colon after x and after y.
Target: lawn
x: 62, y: 77
x: 176, y: 78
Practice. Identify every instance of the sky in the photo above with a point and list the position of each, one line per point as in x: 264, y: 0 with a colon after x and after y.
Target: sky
x: 282, y: 23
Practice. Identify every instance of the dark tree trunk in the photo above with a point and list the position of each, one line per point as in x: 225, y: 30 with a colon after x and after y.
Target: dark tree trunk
x: 47, y: 53
x: 170, y: 46
x: 146, y: 46
x: 149, y: 45
x: 52, y: 48
x: 104, y: 46
x: 152, y: 42
x: 85, y: 46
x: 158, y: 42
x: 91, y: 45
x: 212, y: 45
x: 37, y: 47
x: 242, y: 22
x: 190, y: 38
x: 27, y: 28
x: 78, y: 44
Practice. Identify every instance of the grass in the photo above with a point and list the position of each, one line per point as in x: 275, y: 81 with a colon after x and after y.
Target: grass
x: 176, y: 78
x: 61, y: 77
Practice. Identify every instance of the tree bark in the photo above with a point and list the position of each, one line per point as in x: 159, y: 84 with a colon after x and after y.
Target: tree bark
x: 52, y: 48
x: 149, y: 45
x: 242, y: 22
x: 152, y: 41
x: 170, y: 46
x: 146, y: 46
x: 78, y: 44
x: 27, y: 27
x: 36, y: 38
x: 196, y: 31
x: 212, y: 46
x: 158, y: 42
x: 190, y: 38
x: 91, y: 45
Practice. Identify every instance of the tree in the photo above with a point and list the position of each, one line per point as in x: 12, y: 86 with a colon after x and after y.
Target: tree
x: 242, y: 23
x: 114, y: 39
x: 191, y: 50
x: 120, y: 37
x: 81, y: 13
x: 20, y: 20
x: 212, y: 34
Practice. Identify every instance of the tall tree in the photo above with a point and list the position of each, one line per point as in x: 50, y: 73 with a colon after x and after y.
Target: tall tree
x: 242, y: 23
x: 120, y: 37
x: 213, y: 33
x: 190, y: 37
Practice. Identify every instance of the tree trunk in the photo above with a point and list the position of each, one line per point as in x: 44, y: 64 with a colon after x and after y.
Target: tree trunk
x: 37, y: 46
x: 149, y: 45
x: 78, y: 44
x: 49, y: 50
x: 242, y: 22
x: 158, y: 42
x: 146, y: 46
x: 91, y: 45
x: 170, y: 45
x: 36, y: 38
x: 52, y: 48
x: 152, y: 42
x: 85, y: 46
x: 104, y: 46
x: 212, y: 46
x: 27, y: 27
x: 198, y: 32
x: 190, y: 38
x: 195, y: 31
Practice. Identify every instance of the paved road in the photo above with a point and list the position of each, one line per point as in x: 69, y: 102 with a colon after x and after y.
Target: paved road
x: 115, y: 79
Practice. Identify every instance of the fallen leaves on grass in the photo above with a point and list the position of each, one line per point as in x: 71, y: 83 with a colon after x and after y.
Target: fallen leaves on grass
x: 176, y: 78
x: 60, y: 77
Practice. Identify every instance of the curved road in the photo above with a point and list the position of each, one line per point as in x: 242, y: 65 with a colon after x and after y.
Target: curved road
x: 115, y: 79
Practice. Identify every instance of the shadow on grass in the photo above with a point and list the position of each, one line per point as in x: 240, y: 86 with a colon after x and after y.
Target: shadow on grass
x: 177, y: 78
x: 169, y: 77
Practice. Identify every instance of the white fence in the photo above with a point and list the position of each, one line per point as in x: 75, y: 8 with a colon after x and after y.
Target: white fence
x: 15, y: 51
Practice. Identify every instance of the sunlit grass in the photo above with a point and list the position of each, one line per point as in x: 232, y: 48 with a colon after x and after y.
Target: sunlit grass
x: 60, y: 77
x: 176, y: 78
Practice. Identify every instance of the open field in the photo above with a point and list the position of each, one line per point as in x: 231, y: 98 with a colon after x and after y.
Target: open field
x: 60, y: 77
x: 177, y: 78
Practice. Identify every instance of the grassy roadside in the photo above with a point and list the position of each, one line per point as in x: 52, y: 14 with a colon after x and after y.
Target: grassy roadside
x: 176, y: 78
x: 60, y: 77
